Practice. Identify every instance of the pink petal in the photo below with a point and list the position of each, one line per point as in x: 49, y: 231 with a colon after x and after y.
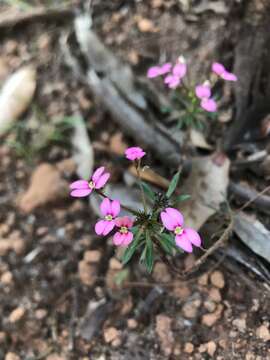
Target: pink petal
x: 80, y: 192
x: 193, y: 236
x: 209, y: 105
x: 98, y: 173
x: 79, y: 184
x: 134, y: 153
x: 203, y: 91
x: 108, y: 228
x: 180, y: 70
x: 100, y: 226
x: 165, y: 68
x: 167, y: 221
x: 118, y: 239
x: 115, y: 208
x: 105, y: 207
x: 102, y: 181
x: 183, y: 242
x: 174, y: 83
x: 218, y: 68
x: 127, y: 221
x: 127, y: 239
x: 228, y: 76
x: 153, y: 72
x: 176, y: 216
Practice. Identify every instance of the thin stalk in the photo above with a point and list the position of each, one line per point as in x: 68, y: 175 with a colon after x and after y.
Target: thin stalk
x: 138, y: 166
x: 132, y: 211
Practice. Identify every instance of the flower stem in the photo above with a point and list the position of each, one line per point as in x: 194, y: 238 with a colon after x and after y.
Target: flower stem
x: 138, y: 167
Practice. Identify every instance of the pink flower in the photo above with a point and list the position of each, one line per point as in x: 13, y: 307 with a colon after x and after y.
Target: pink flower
x: 209, y: 105
x: 123, y: 237
x: 159, y: 70
x: 185, y: 238
x: 180, y: 69
x: 134, y: 153
x: 172, y: 81
x: 110, y: 209
x: 203, y: 92
x: 81, y: 188
x: 220, y: 70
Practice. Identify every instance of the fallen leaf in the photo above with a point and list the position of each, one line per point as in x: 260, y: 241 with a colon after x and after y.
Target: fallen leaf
x: 83, y: 153
x: 207, y: 185
x: 198, y: 140
x: 46, y: 185
x: 253, y: 234
x: 151, y: 176
x: 16, y: 96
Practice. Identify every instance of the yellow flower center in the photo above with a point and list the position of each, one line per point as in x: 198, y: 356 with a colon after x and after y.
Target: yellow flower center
x: 124, y: 230
x: 91, y: 184
x: 178, y: 230
x: 108, y: 217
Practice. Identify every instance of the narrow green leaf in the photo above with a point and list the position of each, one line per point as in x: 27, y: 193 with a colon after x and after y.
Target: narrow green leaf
x: 149, y: 254
x: 148, y: 191
x: 180, y: 198
x: 173, y: 184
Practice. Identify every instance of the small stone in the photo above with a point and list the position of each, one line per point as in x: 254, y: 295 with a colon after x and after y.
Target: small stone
x: 16, y: 315
x: 3, y: 337
x: 41, y: 231
x: 240, y: 324
x: 7, y: 278
x: 165, y: 334
x: 146, y: 25
x: 217, y: 279
x: 190, y: 309
x: 211, y: 318
x: 132, y: 323
x: 115, y: 264
x: 211, y: 348
x: 250, y: 356
x: 87, y: 273
x: 214, y: 294
x: 180, y: 290
x: 41, y: 313
x: 223, y: 343
x: 203, y: 280
x: 92, y: 256
x: 4, y: 247
x: 111, y: 334
x: 55, y: 356
x: 263, y: 333
x: 203, y: 348
x: 116, y: 342
x: 209, y: 305
x: 161, y: 273
x: 189, y: 348
x: 12, y: 356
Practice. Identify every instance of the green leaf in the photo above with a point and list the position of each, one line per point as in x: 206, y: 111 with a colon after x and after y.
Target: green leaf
x: 173, y: 184
x: 180, y: 198
x: 130, y: 250
x: 167, y: 243
x: 148, y: 191
x: 121, y: 276
x: 149, y: 253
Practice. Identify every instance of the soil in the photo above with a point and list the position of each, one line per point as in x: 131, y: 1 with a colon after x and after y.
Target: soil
x: 59, y: 297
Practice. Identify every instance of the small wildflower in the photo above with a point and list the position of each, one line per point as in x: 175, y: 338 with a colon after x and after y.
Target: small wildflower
x: 110, y: 209
x: 81, y: 188
x: 172, y: 81
x: 180, y: 68
x: 173, y: 220
x: 156, y: 71
x: 203, y: 92
x: 220, y: 70
x: 123, y: 237
x: 134, y: 153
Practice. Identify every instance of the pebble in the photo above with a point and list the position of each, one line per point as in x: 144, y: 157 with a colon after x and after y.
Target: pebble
x: 87, y: 273
x: 41, y: 313
x: 181, y: 291
x: 203, y: 280
x: 214, y: 294
x: 161, y: 273
x: 16, y: 315
x: 240, y: 324
x: 211, y: 348
x: 189, y: 348
x: 111, y: 334
x: 3, y: 337
x: 263, y: 333
x: 92, y: 256
x: 165, y: 334
x: 190, y: 309
x: 209, y: 305
x: 6, y: 278
x: 217, y: 279
x: 12, y: 356
x: 211, y: 318
x: 132, y: 323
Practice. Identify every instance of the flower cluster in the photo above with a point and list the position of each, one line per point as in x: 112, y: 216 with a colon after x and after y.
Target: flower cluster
x: 145, y: 229
x: 174, y: 75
